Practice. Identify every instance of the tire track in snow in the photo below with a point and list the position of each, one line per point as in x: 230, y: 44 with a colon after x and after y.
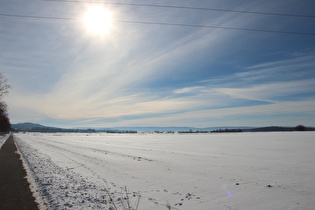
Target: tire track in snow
x: 87, y: 158
x: 103, y: 151
x: 151, y: 199
x: 79, y: 156
x: 62, y: 188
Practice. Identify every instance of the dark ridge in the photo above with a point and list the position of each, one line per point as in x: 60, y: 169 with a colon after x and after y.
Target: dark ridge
x: 279, y: 128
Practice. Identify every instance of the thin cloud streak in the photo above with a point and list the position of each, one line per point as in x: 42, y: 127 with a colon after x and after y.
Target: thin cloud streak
x: 231, y: 116
x: 104, y: 104
x: 95, y: 77
x: 270, y: 92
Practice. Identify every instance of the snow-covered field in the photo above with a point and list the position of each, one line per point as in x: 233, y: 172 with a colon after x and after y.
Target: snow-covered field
x: 205, y: 171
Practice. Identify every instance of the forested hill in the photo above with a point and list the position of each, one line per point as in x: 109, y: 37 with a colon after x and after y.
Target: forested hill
x: 278, y: 128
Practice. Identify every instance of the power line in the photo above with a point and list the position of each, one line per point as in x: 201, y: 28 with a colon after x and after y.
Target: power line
x: 190, y: 8
x: 163, y: 24
x: 38, y: 17
x: 217, y: 27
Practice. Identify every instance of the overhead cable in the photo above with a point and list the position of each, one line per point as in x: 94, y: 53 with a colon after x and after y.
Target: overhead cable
x: 218, y: 27
x: 161, y: 23
x: 186, y: 7
x: 38, y: 17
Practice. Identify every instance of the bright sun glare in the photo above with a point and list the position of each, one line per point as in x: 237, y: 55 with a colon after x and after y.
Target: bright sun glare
x: 98, y: 20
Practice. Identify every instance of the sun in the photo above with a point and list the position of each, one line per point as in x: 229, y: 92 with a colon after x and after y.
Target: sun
x: 98, y: 20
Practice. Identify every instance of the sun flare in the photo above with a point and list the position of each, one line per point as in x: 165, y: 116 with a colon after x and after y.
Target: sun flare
x: 98, y: 20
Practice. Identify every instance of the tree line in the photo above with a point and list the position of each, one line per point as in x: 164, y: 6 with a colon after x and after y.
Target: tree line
x: 5, y: 125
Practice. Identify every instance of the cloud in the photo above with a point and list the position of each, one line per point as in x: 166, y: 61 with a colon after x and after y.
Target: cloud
x: 299, y: 60
x: 188, y: 90
x: 102, y: 71
x: 288, y: 69
x: 96, y: 97
x: 303, y: 112
x: 79, y: 77
x: 271, y: 91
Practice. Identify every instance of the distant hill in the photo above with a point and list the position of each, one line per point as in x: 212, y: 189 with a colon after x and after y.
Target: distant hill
x: 276, y: 128
x: 271, y: 128
x: 141, y: 129
x: 27, y: 126
x: 226, y: 127
x: 161, y: 129
x: 152, y: 129
x: 33, y: 127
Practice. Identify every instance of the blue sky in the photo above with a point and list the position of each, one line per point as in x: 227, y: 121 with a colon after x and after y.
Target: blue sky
x: 156, y: 75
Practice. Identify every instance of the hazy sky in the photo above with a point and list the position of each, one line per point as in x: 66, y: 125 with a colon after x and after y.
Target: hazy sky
x: 160, y: 75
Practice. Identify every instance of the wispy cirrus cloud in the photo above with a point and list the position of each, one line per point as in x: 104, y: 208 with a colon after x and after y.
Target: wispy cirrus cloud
x: 260, y: 115
x: 113, y: 101
x: 271, y: 92
x: 149, y: 72
x: 188, y: 89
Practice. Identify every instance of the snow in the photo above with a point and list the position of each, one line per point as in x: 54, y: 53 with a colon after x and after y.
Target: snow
x: 3, y: 138
x: 204, y: 171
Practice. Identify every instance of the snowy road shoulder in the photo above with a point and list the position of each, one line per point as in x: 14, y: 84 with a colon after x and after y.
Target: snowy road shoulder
x: 59, y: 188
x: 3, y: 138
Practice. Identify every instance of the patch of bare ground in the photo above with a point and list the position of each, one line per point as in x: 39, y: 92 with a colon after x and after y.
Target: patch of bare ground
x: 15, y: 193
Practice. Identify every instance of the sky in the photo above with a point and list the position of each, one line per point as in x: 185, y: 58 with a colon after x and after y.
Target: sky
x: 136, y: 74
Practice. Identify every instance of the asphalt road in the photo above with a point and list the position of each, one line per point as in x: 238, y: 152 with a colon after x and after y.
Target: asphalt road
x: 14, y: 188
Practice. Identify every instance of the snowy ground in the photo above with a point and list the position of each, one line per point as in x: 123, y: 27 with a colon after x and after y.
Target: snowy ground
x: 3, y: 138
x: 205, y: 171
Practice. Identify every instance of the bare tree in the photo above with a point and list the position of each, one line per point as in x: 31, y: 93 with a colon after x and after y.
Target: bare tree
x: 4, y: 86
x: 4, y: 117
